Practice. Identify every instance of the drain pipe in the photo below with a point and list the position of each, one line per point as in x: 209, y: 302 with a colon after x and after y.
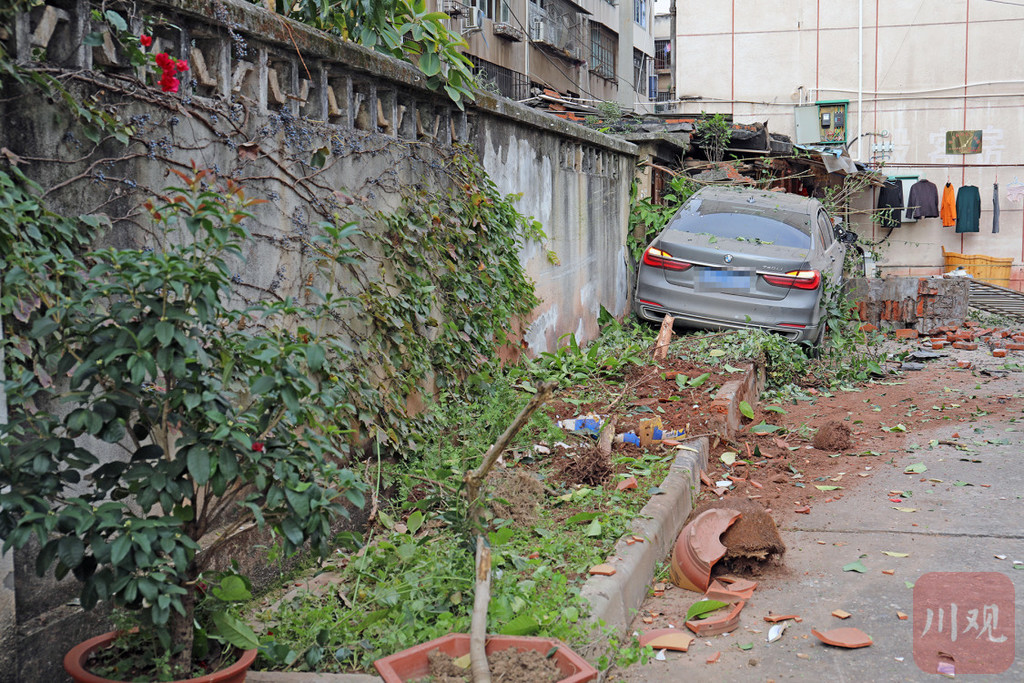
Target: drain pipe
x: 860, y: 73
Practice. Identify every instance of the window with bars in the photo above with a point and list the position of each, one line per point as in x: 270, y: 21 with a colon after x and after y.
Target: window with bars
x: 663, y: 54
x: 640, y: 72
x: 602, y: 52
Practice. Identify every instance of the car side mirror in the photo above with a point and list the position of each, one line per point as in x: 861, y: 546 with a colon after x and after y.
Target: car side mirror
x: 847, y: 237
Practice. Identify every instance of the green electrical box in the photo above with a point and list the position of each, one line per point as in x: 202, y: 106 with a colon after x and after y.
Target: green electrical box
x: 822, y: 123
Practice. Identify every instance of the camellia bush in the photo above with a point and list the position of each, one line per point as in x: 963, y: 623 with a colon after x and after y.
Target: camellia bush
x: 150, y: 420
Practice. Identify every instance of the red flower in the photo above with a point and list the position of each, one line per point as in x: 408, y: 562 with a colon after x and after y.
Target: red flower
x: 164, y: 62
x: 182, y: 65
x: 259, y: 447
x: 146, y: 40
x: 169, y: 83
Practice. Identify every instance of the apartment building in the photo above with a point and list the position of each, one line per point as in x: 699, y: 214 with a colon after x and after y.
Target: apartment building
x: 923, y: 89
x: 593, y: 50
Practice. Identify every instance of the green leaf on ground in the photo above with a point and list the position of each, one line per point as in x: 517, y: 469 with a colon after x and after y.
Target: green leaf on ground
x: 764, y: 428
x: 827, y: 488
x: 916, y: 468
x: 728, y: 457
x: 746, y: 646
x: 893, y: 553
x: 747, y: 410
x: 856, y: 566
x: 702, y: 608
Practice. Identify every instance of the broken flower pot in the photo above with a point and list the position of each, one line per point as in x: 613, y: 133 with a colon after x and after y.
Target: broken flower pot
x: 412, y: 664
x: 848, y: 636
x: 716, y: 626
x: 698, y: 548
x: 667, y: 639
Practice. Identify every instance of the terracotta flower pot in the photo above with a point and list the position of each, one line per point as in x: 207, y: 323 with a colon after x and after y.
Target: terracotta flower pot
x: 75, y: 659
x: 412, y: 664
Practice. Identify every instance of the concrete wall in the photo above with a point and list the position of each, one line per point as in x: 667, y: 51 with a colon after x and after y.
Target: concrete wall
x: 926, y: 68
x: 256, y: 113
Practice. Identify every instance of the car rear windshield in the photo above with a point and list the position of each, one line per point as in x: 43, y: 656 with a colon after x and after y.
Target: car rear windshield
x: 753, y: 223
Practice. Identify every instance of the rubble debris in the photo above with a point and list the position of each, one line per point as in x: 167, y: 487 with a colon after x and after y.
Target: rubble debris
x: 667, y: 639
x: 775, y: 618
x: 716, y: 626
x: 832, y: 436
x: 841, y: 614
x: 775, y: 632
x: 697, y: 548
x: 848, y: 636
x: 602, y: 570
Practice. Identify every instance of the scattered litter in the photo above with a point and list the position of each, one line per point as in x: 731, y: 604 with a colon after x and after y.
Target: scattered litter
x: 947, y: 669
x: 719, y: 625
x: 541, y: 450
x: 702, y: 608
x: 999, y: 557
x: 841, y: 614
x: 803, y: 655
x: 713, y: 657
x: 849, y: 637
x: 626, y: 484
x: 602, y: 570
x: 890, y: 572
x: 899, y: 659
x: 586, y: 424
x: 905, y: 509
x: 775, y: 618
x: 901, y: 616
x: 805, y: 510
x: 698, y: 547
x: 724, y: 483
x: 776, y: 631
x: 660, y: 656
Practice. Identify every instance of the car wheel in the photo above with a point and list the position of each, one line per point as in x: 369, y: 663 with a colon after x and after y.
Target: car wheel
x: 818, y: 345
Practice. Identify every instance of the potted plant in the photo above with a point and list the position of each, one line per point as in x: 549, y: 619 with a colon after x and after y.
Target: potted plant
x: 152, y: 419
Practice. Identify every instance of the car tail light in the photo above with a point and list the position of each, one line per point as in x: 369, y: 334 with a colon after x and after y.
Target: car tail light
x: 656, y: 258
x: 801, y: 279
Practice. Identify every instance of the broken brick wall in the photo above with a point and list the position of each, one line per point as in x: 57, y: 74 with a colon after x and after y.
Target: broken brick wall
x: 921, y: 303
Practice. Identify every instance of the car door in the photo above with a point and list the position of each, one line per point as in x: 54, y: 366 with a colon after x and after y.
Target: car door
x: 832, y: 251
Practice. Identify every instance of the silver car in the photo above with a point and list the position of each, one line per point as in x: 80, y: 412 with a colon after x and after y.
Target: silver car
x: 741, y: 258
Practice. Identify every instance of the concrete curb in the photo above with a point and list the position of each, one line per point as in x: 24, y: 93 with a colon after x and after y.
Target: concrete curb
x: 725, y: 409
x: 615, y: 599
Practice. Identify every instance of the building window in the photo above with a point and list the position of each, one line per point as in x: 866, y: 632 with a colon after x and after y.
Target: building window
x: 640, y: 11
x: 662, y: 54
x: 602, y: 52
x: 640, y: 72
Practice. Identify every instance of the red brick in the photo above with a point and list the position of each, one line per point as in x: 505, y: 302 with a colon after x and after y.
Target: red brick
x: 999, y: 353
x: 966, y: 346
x: 1019, y: 338
x: 868, y: 327
x: 936, y: 344
x: 964, y: 364
x: 1002, y: 334
x: 962, y: 336
x: 971, y: 323
x: 909, y: 333
x: 1011, y: 346
x: 981, y: 333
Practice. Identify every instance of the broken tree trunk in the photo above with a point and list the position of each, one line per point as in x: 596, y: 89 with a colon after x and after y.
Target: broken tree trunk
x: 474, y: 480
x: 664, y: 339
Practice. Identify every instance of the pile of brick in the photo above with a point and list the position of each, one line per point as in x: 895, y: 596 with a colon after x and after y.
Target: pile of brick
x: 970, y: 336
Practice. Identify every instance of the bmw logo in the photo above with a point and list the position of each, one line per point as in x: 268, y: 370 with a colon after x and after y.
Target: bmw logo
x: 728, y: 258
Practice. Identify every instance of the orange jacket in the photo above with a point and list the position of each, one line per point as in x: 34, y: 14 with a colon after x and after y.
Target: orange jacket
x: 948, y: 210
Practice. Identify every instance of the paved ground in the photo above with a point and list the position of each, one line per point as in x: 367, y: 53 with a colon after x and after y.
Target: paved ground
x: 954, y: 528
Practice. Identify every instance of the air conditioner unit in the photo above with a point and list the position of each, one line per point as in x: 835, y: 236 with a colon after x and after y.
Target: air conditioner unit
x: 575, y: 52
x: 473, y: 18
x: 452, y: 8
x: 539, y: 30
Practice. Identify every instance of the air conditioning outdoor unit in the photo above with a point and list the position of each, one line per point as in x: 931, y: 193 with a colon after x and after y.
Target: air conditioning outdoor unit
x: 452, y: 8
x: 575, y: 52
x: 472, y: 19
x: 539, y: 30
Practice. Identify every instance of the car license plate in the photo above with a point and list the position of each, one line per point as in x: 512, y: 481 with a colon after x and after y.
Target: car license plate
x: 724, y: 280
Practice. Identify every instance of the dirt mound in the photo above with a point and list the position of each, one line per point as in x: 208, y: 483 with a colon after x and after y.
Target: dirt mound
x: 512, y: 666
x: 833, y: 436
x: 752, y: 540
x: 516, y: 497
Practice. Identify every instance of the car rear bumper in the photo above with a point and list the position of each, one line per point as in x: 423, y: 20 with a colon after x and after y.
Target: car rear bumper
x: 793, y: 317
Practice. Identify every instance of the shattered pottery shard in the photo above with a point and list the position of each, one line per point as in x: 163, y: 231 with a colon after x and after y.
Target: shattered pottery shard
x: 602, y: 570
x: 667, y: 639
x: 698, y: 548
x: 714, y: 627
x: 850, y: 637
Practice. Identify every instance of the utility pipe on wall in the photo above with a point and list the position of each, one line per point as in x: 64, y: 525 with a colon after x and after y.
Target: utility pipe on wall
x: 860, y: 72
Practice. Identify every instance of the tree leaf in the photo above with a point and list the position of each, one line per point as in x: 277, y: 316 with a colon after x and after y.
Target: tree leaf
x: 746, y: 410
x: 232, y: 589
x: 827, y: 488
x: 764, y: 428
x: 414, y: 522
x: 235, y: 631
x: 916, y: 468
x: 70, y: 550
x: 594, y: 528
x: 522, y: 625
x: 728, y: 457
x: 292, y: 531
x: 702, y: 608
x: 856, y: 566
x: 199, y: 464
x: 699, y: 380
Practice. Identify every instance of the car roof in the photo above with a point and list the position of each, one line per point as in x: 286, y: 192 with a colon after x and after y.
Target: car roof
x: 750, y: 198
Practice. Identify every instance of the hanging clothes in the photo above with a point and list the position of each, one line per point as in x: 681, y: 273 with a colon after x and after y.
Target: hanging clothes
x: 948, y: 212
x: 923, y: 201
x: 890, y: 204
x: 968, y: 209
x: 995, y: 207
